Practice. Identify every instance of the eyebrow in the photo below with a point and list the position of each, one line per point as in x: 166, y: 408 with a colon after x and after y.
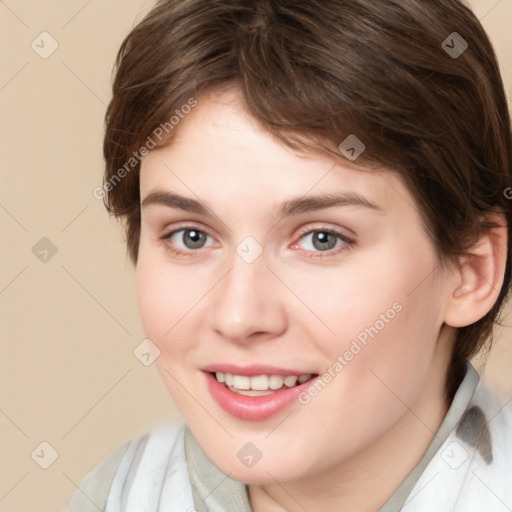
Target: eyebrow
x: 290, y: 207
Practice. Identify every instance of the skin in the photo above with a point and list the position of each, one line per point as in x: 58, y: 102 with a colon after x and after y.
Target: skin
x: 354, y: 443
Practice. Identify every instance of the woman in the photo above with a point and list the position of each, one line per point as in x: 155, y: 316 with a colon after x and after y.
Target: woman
x: 314, y: 197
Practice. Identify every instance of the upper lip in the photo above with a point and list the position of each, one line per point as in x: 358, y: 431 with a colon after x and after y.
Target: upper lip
x: 254, y: 369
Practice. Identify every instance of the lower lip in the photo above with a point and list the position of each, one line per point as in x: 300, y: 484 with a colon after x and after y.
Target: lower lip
x: 254, y: 408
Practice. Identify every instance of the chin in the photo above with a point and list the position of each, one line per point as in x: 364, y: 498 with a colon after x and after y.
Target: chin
x: 260, y: 474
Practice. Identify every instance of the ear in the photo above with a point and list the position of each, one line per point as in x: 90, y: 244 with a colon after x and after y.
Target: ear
x: 479, y: 275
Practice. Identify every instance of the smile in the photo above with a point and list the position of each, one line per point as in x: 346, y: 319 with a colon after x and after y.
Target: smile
x: 256, y: 393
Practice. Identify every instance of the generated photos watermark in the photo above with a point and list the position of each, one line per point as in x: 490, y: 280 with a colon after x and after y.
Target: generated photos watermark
x: 359, y: 343
x: 157, y: 136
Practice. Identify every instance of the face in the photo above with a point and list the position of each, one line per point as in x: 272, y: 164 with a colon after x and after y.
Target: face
x: 306, y: 285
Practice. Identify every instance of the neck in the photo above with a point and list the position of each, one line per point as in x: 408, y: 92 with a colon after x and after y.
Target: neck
x: 367, y: 480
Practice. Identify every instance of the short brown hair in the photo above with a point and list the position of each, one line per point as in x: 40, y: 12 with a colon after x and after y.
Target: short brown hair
x: 313, y: 72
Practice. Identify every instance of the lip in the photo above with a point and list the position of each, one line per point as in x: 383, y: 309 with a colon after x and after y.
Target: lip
x: 254, y: 370
x: 254, y: 408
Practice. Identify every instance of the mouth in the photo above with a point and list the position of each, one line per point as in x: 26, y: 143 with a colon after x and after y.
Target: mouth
x: 259, y: 385
x: 255, y: 393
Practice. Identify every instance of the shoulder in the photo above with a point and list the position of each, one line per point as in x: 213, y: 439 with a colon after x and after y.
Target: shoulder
x: 496, y: 409
x: 492, y: 400
x: 149, y: 452
x: 486, y: 436
x: 491, y: 413
x: 93, y: 491
x: 470, y: 471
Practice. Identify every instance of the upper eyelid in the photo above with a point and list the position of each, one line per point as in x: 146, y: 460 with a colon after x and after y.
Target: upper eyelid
x: 336, y: 231
x: 302, y: 232
x: 186, y: 226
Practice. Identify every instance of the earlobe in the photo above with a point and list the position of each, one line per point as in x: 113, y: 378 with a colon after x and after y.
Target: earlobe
x: 480, y: 275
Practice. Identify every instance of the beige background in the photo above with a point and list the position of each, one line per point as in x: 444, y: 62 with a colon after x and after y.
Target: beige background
x: 70, y: 324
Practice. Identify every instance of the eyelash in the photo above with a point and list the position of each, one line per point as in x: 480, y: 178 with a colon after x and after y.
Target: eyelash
x: 348, y: 243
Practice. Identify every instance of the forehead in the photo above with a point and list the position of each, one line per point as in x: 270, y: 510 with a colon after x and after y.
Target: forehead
x: 220, y: 151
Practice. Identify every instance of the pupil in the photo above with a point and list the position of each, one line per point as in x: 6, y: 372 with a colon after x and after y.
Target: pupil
x: 321, y: 240
x: 194, y: 239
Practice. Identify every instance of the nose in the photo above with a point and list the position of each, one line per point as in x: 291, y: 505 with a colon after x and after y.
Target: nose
x: 248, y: 303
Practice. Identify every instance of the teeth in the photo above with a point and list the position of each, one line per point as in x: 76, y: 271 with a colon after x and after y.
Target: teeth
x: 241, y: 382
x: 260, y: 382
x: 275, y: 382
x: 290, y: 381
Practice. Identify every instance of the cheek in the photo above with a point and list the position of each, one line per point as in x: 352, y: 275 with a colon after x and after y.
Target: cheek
x: 154, y: 298
x: 373, y: 294
x: 383, y: 317
x: 166, y: 298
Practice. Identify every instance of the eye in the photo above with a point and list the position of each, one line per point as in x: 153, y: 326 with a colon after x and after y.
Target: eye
x: 187, y: 239
x: 323, y: 241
